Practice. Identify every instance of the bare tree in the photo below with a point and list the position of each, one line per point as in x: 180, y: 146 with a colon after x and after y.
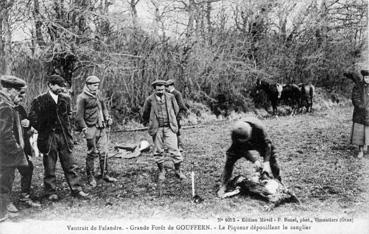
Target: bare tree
x: 133, y: 8
x: 5, y: 36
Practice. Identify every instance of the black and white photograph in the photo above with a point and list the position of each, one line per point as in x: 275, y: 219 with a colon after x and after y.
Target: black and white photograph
x: 184, y: 116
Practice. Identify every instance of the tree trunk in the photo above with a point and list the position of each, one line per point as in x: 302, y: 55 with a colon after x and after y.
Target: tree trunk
x: 191, y: 18
x: 6, y: 43
x: 133, y: 4
x: 38, y: 23
x: 208, y: 22
x: 5, y: 36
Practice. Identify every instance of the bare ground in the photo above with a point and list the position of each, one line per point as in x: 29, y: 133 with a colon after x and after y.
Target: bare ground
x: 314, y: 154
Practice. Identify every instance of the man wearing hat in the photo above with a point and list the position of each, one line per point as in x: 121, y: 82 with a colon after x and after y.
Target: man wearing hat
x: 92, y: 118
x: 11, y: 147
x: 25, y: 172
x: 160, y: 112
x: 247, y: 135
x: 50, y: 116
x: 182, y: 107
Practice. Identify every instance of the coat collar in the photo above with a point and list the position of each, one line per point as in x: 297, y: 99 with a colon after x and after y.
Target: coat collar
x: 6, y: 99
x: 50, y: 98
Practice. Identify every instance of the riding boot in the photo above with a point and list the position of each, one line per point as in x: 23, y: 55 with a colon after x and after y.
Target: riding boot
x: 90, y: 171
x: 179, y: 174
x: 104, y: 171
x: 161, y: 172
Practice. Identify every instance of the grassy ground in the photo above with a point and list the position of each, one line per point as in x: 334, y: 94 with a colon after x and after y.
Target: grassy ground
x: 314, y: 154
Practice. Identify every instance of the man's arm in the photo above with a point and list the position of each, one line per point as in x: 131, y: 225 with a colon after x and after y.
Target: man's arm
x: 8, y: 140
x: 103, y: 106
x: 146, y: 111
x: 356, y: 97
x: 175, y: 105
x: 180, y: 102
x: 231, y: 159
x: 23, y: 118
x: 80, y: 112
x: 265, y: 152
x: 34, y: 114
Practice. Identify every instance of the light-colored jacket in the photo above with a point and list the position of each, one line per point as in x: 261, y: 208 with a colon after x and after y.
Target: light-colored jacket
x: 150, y: 112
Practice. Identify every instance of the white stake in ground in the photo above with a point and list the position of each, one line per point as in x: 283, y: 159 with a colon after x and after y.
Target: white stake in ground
x: 195, y: 198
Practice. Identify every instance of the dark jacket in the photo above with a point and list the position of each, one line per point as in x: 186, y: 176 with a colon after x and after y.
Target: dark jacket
x: 360, y: 100
x: 182, y: 107
x: 11, y: 153
x: 258, y: 141
x: 23, y: 115
x: 87, y: 114
x: 149, y: 113
x: 47, y: 118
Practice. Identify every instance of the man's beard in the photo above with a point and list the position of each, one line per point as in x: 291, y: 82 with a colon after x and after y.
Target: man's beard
x: 159, y: 94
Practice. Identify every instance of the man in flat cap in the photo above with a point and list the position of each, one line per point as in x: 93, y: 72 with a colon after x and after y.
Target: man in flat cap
x: 182, y: 107
x: 50, y: 116
x: 92, y: 118
x: 11, y: 147
x: 25, y: 172
x: 247, y: 135
x: 160, y: 112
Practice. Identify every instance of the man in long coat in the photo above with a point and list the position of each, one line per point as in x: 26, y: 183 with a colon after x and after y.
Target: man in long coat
x: 26, y: 172
x: 50, y: 116
x: 11, y: 141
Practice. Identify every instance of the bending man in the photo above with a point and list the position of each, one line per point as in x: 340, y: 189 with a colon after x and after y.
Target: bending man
x: 249, y: 135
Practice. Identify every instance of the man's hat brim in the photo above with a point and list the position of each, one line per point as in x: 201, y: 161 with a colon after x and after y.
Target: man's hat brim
x: 9, y: 81
x: 158, y: 83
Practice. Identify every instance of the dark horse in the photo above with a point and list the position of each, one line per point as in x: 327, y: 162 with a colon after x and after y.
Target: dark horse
x: 273, y: 92
x: 307, y: 94
x: 291, y: 95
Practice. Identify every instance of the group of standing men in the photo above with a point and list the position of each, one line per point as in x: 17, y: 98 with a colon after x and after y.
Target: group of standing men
x: 50, y: 116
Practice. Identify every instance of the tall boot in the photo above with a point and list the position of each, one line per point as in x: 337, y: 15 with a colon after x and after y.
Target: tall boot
x: 161, y: 172
x: 179, y: 174
x: 104, y: 171
x: 90, y: 171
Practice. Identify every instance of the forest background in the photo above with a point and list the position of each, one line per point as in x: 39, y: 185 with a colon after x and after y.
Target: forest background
x: 214, y: 50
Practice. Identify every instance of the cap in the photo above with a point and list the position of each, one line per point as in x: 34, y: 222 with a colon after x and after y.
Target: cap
x: 8, y: 81
x: 158, y: 82
x: 92, y: 80
x: 169, y: 82
x: 241, y: 131
x: 364, y: 72
x: 56, y: 79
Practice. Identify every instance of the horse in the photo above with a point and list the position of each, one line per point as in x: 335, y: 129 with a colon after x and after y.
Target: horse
x: 354, y: 76
x: 273, y: 92
x: 307, y: 94
x: 291, y: 95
